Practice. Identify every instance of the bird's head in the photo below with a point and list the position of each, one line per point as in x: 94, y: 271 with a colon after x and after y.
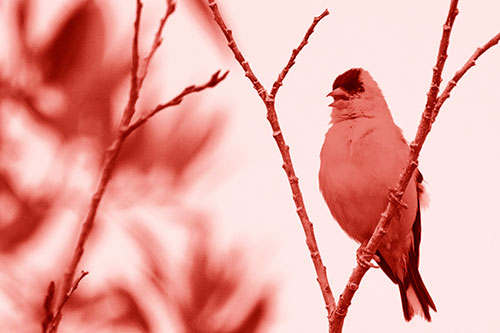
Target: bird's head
x: 355, y: 94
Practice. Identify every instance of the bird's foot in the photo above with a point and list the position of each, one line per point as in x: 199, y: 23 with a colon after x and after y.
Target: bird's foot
x: 363, y: 258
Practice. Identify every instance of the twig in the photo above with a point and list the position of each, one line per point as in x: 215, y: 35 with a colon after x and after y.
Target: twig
x: 415, y: 147
x: 68, y: 286
x: 279, y: 81
x: 171, y: 5
x: 214, y: 80
x: 47, y: 305
x: 237, y: 54
x: 458, y: 75
x: 134, y: 82
x: 268, y: 99
x: 57, y: 314
x: 109, y: 164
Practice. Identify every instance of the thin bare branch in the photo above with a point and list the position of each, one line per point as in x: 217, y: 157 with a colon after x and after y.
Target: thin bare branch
x: 415, y: 147
x: 68, y: 285
x: 279, y: 81
x: 47, y: 305
x: 237, y: 54
x: 58, y: 314
x: 134, y: 81
x: 143, y: 71
x: 214, y: 80
x: 268, y: 99
x: 460, y: 73
x: 111, y: 155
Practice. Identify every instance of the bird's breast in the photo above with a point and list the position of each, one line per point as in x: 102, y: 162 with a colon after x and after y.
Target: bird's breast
x: 360, y: 160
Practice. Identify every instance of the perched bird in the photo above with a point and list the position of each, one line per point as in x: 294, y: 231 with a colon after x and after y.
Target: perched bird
x: 362, y: 157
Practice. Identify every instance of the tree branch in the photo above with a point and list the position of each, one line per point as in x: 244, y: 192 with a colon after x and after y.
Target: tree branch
x: 415, y: 147
x: 214, y: 80
x: 279, y: 81
x: 428, y: 116
x: 171, y: 5
x: 58, y: 314
x: 460, y: 73
x: 134, y: 81
x: 268, y: 99
x: 237, y: 54
x: 125, y: 129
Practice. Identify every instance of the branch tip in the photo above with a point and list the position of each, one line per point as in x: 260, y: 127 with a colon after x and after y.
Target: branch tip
x: 295, y: 52
x: 215, y: 79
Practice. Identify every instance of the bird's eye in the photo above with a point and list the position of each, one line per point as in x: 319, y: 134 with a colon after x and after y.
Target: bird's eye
x: 350, y: 81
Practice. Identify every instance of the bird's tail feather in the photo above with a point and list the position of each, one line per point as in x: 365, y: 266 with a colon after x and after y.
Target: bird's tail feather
x: 418, y: 298
x: 414, y: 295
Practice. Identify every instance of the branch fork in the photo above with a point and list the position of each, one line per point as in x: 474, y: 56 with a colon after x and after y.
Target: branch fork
x: 53, y: 305
x: 268, y: 98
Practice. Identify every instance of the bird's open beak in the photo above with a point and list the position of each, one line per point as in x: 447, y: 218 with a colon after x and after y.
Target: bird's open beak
x: 330, y: 94
x: 338, y: 94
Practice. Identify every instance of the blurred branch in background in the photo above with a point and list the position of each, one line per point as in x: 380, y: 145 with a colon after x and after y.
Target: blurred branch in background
x: 57, y: 117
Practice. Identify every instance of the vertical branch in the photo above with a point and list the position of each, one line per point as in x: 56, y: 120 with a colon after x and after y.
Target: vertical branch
x: 171, y: 5
x: 433, y: 105
x: 394, y: 199
x: 89, y: 221
x: 53, y: 310
x: 268, y: 99
x: 134, y: 82
x: 109, y: 163
x: 56, y: 316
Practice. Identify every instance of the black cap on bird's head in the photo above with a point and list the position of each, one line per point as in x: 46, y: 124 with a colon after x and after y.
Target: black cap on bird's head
x: 356, y: 82
x: 356, y: 93
x: 350, y: 81
x: 348, y: 84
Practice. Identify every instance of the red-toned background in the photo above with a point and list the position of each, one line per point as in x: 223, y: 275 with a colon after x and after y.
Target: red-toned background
x: 197, y: 231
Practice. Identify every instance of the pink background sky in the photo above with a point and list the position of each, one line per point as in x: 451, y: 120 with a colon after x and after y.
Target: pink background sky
x: 246, y: 191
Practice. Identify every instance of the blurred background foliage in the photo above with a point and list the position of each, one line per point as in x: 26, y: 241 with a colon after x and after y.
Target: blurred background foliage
x: 154, y: 265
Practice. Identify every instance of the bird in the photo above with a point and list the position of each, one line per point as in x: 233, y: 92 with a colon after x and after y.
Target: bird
x: 362, y: 156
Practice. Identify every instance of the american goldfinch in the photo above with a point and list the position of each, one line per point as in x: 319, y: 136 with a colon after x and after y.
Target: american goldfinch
x: 362, y: 157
